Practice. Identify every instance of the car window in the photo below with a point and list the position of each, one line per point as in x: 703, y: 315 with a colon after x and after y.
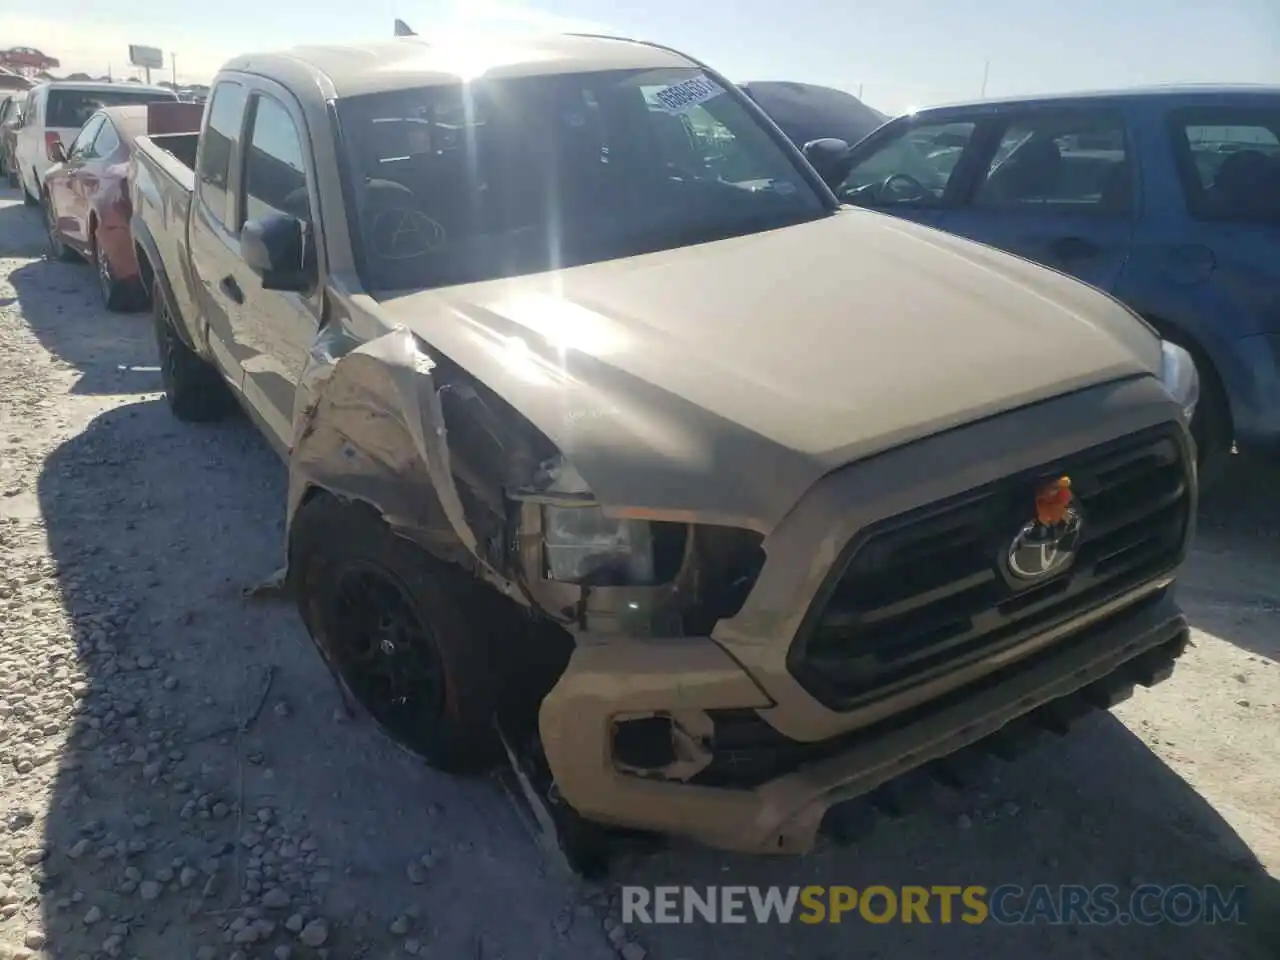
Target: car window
x: 507, y: 176
x: 106, y: 142
x: 217, y: 141
x: 275, y: 179
x: 1078, y: 163
x: 79, y: 149
x: 913, y: 167
x: 1229, y: 159
x: 71, y: 108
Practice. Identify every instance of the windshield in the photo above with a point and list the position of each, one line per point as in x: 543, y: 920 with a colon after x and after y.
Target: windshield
x: 73, y: 108
x: 495, y: 178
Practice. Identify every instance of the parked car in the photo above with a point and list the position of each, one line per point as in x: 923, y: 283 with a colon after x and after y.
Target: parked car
x: 86, y: 195
x: 726, y: 504
x: 55, y: 112
x: 807, y: 111
x: 1168, y: 199
x: 10, y: 118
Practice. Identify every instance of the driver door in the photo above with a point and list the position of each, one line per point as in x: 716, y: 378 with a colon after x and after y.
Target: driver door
x: 912, y: 167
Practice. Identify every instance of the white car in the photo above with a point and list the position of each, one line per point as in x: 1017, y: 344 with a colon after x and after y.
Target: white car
x: 56, y: 111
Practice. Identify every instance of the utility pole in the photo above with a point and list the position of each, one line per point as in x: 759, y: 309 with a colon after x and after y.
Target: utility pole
x: 986, y: 72
x: 148, y: 69
x: 173, y: 66
x: 859, y: 91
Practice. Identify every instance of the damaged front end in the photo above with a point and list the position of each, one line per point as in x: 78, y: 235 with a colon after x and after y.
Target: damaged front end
x: 450, y: 465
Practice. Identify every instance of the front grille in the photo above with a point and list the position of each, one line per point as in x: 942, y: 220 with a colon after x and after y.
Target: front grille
x: 924, y: 592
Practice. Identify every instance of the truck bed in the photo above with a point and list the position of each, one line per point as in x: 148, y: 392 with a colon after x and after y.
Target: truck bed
x: 161, y: 185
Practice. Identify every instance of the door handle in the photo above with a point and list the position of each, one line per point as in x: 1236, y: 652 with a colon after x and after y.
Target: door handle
x: 231, y: 289
x: 1074, y: 248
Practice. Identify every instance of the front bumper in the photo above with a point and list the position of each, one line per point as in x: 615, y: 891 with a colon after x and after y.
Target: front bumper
x: 690, y: 679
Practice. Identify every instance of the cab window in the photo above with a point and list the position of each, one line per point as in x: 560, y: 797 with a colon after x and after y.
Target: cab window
x: 217, y: 145
x: 275, y: 178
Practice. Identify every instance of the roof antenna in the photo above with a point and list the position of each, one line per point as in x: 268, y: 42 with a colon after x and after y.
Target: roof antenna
x: 403, y: 29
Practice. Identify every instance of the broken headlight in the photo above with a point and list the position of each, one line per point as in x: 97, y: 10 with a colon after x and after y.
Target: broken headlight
x: 584, y: 546
x: 579, y: 543
x: 1179, y: 376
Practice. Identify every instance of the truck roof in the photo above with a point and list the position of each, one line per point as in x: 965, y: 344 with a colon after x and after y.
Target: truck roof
x: 374, y: 67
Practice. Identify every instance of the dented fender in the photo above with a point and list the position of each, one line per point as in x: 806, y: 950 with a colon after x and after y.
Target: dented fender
x: 369, y: 426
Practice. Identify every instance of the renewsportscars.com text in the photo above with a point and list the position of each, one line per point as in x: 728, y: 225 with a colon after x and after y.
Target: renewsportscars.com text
x: 1068, y: 904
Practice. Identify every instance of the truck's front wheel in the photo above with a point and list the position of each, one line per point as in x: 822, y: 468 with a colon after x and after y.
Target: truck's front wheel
x: 394, y: 625
x: 194, y: 389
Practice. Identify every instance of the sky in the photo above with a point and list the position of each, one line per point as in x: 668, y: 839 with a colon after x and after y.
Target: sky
x: 898, y: 54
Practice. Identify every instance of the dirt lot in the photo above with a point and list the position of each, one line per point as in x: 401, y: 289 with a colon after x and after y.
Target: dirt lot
x: 176, y: 781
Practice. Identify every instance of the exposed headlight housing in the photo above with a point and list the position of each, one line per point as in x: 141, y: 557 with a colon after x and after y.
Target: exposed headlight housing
x: 1179, y: 376
x: 583, y: 546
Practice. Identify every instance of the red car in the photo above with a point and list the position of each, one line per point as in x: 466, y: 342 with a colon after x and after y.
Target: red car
x: 87, y: 209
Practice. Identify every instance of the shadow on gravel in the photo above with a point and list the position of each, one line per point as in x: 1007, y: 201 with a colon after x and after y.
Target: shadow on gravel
x: 21, y: 229
x: 210, y: 796
x: 63, y: 309
x: 1231, y: 586
x: 1095, y: 808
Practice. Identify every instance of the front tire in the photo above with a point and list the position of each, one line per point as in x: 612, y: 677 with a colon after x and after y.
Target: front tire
x: 394, y: 624
x: 194, y: 389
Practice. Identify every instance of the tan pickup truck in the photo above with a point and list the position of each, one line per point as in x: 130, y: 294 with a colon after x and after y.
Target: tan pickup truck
x: 615, y: 440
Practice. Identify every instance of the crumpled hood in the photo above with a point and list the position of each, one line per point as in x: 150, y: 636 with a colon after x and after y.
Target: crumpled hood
x: 723, y: 379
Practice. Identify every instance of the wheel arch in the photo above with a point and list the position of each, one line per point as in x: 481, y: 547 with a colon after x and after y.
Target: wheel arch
x: 152, y: 273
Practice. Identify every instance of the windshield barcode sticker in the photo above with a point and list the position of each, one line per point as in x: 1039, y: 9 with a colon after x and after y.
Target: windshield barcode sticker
x: 688, y: 93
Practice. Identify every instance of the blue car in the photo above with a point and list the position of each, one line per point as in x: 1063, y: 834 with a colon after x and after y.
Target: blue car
x: 1168, y: 199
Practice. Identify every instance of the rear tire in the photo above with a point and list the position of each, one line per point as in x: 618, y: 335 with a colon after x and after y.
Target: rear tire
x: 396, y: 626
x: 118, y: 296
x: 57, y: 249
x: 195, y: 390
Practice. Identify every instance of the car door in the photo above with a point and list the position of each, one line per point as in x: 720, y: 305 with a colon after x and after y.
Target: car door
x: 93, y: 178
x: 213, y: 238
x: 84, y: 175
x: 1057, y: 186
x: 62, y: 182
x: 274, y: 330
x: 910, y: 167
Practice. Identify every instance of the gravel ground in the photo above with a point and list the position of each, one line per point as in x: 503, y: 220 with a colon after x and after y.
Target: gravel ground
x: 177, y: 781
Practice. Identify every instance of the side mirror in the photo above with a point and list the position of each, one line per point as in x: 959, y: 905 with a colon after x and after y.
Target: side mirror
x: 57, y: 152
x: 275, y: 247
x: 825, y: 156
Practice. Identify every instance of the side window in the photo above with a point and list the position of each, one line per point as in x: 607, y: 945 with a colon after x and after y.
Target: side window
x: 84, y: 139
x: 106, y: 142
x: 1229, y: 160
x: 217, y: 142
x: 913, y: 167
x: 275, y: 178
x: 1078, y: 164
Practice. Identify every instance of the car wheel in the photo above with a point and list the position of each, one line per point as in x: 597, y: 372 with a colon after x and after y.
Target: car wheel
x: 194, y: 389
x: 57, y: 249
x: 117, y: 295
x: 394, y: 624
x: 1211, y: 428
